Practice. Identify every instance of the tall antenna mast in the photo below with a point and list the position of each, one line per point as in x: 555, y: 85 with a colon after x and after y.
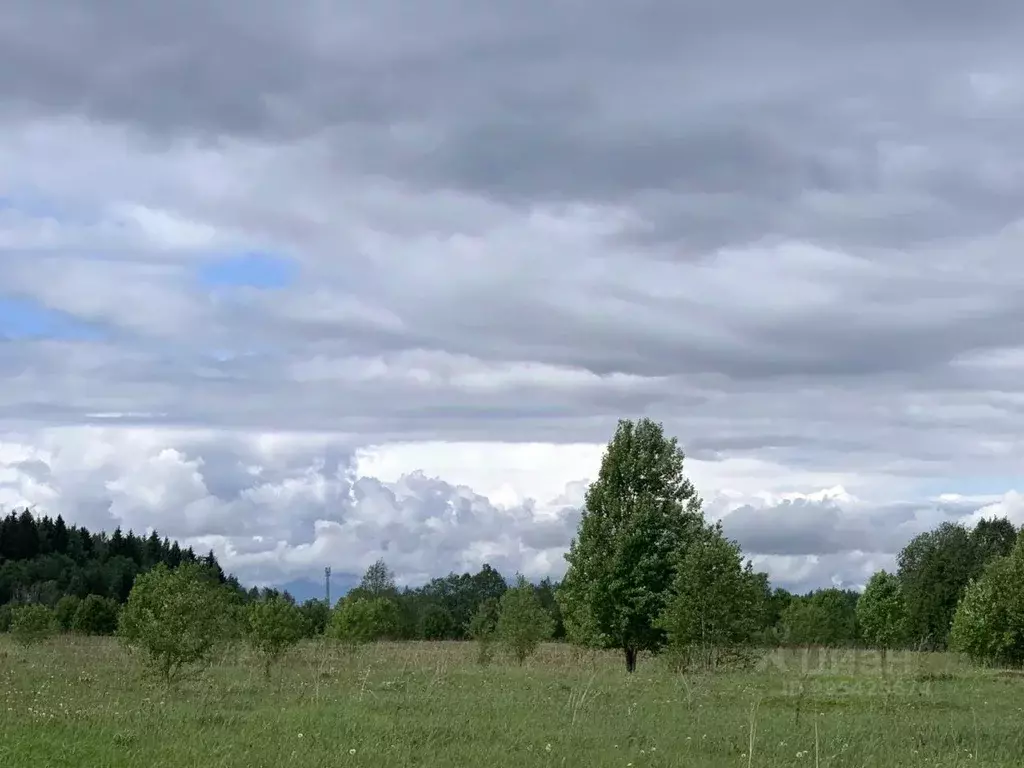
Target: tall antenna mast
x: 327, y: 584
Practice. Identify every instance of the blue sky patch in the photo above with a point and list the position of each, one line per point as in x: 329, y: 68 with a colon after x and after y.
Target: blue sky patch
x: 265, y: 271
x: 34, y: 205
x: 976, y: 485
x: 26, y: 319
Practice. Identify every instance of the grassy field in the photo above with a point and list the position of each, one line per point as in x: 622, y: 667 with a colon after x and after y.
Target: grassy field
x: 85, y: 702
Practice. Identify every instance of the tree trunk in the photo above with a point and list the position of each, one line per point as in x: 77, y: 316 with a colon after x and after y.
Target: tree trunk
x: 630, y: 659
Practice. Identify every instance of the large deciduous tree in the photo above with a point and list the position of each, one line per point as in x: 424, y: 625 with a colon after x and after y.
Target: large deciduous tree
x: 934, y: 569
x: 993, y: 537
x: 637, y: 518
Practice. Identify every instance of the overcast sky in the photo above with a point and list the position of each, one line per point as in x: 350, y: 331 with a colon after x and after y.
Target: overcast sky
x: 313, y: 283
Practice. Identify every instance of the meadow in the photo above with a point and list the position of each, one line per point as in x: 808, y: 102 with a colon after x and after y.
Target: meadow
x: 85, y: 701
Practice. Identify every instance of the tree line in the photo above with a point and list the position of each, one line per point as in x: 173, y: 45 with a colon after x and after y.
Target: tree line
x: 646, y: 573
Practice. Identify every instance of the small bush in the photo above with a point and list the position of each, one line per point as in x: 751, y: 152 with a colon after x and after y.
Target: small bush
x: 483, y: 629
x: 5, y: 618
x: 316, y: 614
x: 96, y: 615
x: 32, y: 624
x: 360, y: 620
x: 523, y: 624
x: 65, y: 610
x: 436, y: 623
x: 274, y: 626
x: 178, y: 617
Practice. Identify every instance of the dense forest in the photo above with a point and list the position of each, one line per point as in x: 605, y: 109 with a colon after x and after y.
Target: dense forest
x: 42, y: 560
x: 45, y: 561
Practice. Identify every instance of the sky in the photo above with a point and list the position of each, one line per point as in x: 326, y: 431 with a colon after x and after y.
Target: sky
x: 317, y: 283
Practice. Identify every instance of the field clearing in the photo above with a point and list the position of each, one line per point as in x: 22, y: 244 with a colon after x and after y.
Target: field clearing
x: 86, y: 702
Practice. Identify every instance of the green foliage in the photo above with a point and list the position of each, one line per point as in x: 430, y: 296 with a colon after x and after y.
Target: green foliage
x: 824, y: 617
x: 989, y: 622
x: 65, y: 611
x: 882, y: 612
x: 638, y: 517
x: 5, y: 618
x: 32, y: 624
x: 436, y: 623
x: 273, y: 627
x: 993, y: 537
x: 547, y: 594
x: 935, y: 568
x: 523, y: 624
x: 360, y: 620
x: 96, y: 615
x: 483, y: 628
x: 777, y: 602
x: 377, y: 582
x: 315, y: 615
x: 716, y: 603
x: 43, y: 559
x: 177, y: 617
x: 458, y: 594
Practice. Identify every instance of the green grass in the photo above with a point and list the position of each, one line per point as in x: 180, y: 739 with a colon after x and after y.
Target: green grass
x: 86, y: 702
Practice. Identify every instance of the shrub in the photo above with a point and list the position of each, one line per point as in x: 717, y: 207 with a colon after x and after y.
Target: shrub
x: 712, y: 614
x: 65, y: 610
x: 989, y: 622
x: 436, y: 623
x: 274, y: 626
x: 178, y: 617
x: 483, y: 629
x: 316, y: 614
x: 96, y: 615
x: 32, y: 624
x: 882, y: 613
x: 523, y: 623
x: 360, y: 620
x: 5, y: 618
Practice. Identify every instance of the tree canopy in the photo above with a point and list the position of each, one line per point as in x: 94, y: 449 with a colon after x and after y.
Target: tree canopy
x: 882, y: 612
x: 717, y: 600
x: 989, y: 622
x: 44, y: 559
x: 637, y: 518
